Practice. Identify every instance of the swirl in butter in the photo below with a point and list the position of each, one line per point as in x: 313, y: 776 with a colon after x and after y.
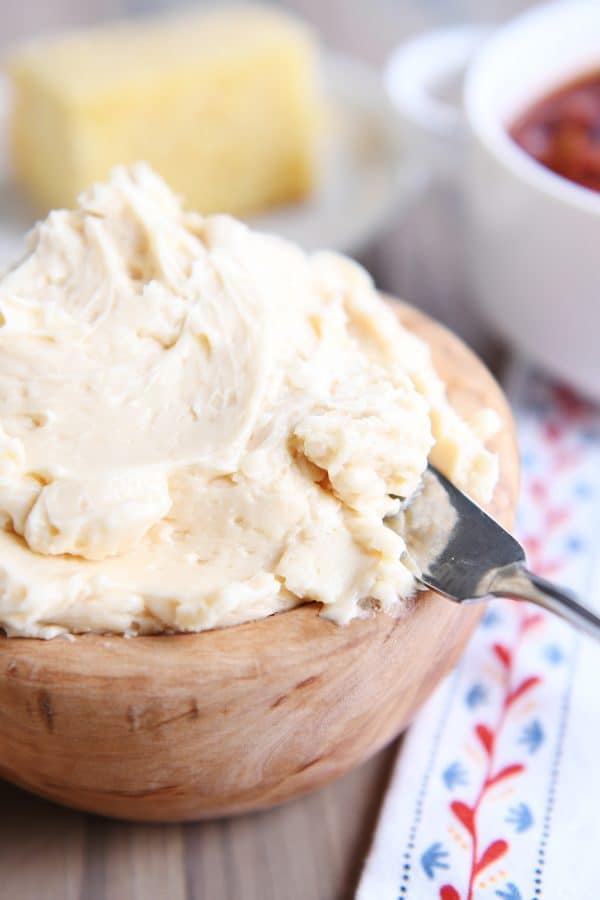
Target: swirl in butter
x: 201, y: 425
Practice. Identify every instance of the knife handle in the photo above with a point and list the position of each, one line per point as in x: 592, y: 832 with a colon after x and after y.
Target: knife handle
x: 518, y: 582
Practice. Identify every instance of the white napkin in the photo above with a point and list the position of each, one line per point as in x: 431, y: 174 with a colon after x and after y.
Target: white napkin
x: 496, y: 791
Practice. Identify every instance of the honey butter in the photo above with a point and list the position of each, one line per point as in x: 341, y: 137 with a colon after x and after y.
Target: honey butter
x: 202, y: 425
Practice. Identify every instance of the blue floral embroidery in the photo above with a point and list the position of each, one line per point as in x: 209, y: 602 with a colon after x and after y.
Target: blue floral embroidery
x: 476, y: 695
x: 583, y: 490
x: 532, y: 736
x: 520, y: 816
x: 541, y: 407
x: 510, y: 892
x: 433, y: 859
x: 574, y: 544
x: 529, y: 460
x: 454, y: 775
x: 590, y: 435
x: 553, y: 654
x: 489, y: 618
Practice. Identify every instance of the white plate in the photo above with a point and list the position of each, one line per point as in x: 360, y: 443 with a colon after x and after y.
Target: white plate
x: 364, y: 173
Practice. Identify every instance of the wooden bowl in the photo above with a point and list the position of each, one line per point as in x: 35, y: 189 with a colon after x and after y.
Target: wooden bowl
x: 176, y: 727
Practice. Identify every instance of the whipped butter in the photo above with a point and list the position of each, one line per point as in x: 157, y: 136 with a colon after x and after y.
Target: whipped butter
x: 202, y: 425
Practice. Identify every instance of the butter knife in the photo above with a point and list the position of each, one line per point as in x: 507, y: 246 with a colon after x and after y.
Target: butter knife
x: 459, y: 551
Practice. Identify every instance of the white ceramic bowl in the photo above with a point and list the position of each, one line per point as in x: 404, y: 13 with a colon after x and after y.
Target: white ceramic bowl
x: 532, y: 237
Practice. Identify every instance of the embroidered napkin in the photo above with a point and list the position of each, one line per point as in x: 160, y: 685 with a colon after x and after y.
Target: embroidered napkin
x: 496, y: 791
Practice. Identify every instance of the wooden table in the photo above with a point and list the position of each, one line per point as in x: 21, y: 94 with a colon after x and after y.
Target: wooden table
x: 312, y: 848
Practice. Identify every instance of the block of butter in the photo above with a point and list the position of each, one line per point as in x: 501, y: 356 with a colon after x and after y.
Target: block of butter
x: 224, y: 104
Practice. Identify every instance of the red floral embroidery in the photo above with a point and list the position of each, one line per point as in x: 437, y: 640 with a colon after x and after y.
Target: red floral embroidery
x: 488, y: 737
x: 571, y: 410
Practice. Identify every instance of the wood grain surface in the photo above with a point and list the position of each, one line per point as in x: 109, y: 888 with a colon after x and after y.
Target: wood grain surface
x: 311, y: 848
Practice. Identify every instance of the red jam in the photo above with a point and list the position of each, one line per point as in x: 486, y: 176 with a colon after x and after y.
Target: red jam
x: 562, y: 131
